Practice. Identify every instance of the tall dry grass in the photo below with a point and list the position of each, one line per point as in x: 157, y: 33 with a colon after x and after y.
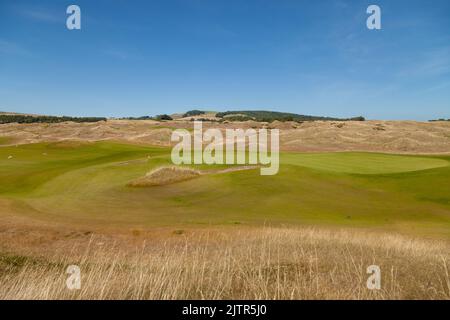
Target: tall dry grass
x: 165, y: 175
x: 269, y: 263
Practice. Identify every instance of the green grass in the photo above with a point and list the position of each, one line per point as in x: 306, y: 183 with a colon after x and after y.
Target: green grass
x: 5, y: 140
x: 87, y: 184
x: 363, y: 163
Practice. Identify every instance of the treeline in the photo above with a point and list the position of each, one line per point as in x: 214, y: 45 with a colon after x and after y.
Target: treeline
x: 18, y: 118
x: 261, y: 116
x: 193, y: 113
x: 137, y: 118
x: 159, y: 117
x: 270, y: 116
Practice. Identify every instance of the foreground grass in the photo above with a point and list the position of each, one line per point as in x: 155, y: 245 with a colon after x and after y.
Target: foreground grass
x: 260, y: 263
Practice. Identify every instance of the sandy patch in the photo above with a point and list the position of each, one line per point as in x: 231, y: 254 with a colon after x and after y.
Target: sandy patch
x: 165, y: 175
x: 172, y: 174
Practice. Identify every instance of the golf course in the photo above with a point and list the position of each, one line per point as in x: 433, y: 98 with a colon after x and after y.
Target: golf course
x: 87, y: 184
x: 242, y: 151
x: 108, y: 198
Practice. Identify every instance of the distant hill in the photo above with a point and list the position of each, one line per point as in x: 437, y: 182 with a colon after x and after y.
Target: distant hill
x: 18, y: 114
x: 270, y: 116
x: 245, y: 115
x: 192, y: 113
x: 21, y: 118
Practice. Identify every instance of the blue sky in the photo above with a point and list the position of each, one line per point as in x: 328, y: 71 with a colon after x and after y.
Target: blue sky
x: 135, y: 58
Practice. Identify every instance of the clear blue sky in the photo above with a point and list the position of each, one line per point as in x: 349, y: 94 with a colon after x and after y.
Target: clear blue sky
x: 135, y: 58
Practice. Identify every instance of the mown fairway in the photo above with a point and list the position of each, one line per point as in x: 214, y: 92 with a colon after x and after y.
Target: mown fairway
x: 86, y: 183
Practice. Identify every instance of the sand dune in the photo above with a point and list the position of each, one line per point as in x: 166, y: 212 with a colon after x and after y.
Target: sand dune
x: 377, y: 136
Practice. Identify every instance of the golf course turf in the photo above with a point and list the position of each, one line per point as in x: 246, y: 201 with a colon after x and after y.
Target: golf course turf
x: 88, y: 183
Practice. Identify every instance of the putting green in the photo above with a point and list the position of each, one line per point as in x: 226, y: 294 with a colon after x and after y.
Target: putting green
x: 363, y: 163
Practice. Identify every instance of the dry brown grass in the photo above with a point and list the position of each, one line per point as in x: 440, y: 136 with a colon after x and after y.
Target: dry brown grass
x: 372, y: 136
x: 260, y: 263
x: 172, y: 174
x: 165, y: 175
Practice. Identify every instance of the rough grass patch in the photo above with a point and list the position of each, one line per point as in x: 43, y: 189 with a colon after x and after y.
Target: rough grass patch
x: 264, y: 263
x: 164, y: 176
